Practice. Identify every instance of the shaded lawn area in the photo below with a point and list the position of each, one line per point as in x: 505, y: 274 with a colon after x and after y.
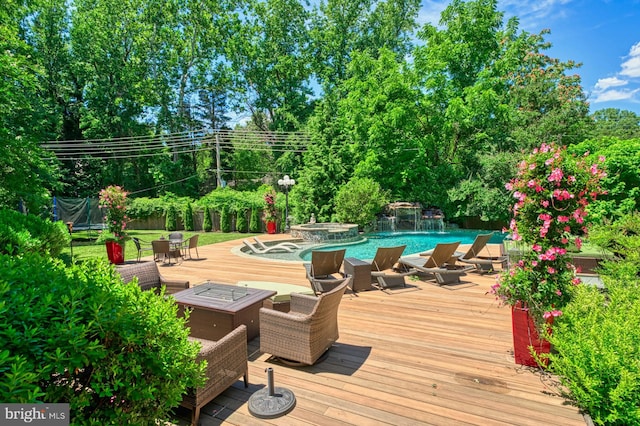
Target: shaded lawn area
x: 85, y: 246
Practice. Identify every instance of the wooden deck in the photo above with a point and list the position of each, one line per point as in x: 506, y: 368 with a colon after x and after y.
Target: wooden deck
x: 421, y: 355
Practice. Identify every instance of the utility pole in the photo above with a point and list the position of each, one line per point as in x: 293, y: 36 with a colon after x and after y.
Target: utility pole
x: 218, y: 177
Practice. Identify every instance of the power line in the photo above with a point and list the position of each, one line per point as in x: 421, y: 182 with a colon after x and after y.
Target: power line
x: 128, y: 148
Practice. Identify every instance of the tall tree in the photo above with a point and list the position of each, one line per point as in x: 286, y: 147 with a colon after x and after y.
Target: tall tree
x: 25, y: 176
x: 617, y: 123
x: 270, y: 57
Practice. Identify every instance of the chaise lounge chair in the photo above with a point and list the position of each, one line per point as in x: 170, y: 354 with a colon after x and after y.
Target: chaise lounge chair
x: 324, y: 272
x: 386, y: 270
x: 482, y: 263
x: 438, y: 264
x: 271, y: 249
x: 263, y: 246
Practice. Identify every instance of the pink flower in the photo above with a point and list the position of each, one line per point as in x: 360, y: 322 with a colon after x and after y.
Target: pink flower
x: 578, y: 243
x: 551, y: 270
x: 556, y: 175
x: 558, y: 292
x: 536, y: 247
x: 545, y: 203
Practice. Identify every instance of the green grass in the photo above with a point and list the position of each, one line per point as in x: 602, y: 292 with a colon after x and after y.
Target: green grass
x: 85, y: 247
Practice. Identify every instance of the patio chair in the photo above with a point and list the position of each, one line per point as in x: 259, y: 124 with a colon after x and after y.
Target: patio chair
x: 226, y: 363
x: 162, y: 250
x: 386, y: 270
x: 191, y: 243
x: 272, y: 249
x: 149, y: 277
x: 324, y: 272
x: 439, y: 264
x: 482, y: 263
x: 307, y: 331
x: 141, y: 246
x: 263, y: 246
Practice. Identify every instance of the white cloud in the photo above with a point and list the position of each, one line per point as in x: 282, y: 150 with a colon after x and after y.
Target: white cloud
x: 606, y: 83
x: 631, y: 66
x: 430, y: 12
x: 615, y: 95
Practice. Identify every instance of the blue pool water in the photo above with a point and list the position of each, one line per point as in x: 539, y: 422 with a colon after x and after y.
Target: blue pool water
x: 416, y: 242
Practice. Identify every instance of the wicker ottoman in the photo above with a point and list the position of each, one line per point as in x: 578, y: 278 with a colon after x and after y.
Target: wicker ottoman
x: 282, y: 299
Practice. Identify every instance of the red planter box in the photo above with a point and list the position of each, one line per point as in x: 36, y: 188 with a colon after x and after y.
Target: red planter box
x: 115, y: 252
x: 525, y: 334
x: 271, y: 227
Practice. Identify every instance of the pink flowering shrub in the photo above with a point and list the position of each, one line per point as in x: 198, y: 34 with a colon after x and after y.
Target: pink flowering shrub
x: 114, y: 199
x: 553, y: 190
x: 270, y: 206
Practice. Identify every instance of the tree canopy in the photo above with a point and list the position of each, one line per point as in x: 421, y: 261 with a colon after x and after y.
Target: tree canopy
x: 165, y: 97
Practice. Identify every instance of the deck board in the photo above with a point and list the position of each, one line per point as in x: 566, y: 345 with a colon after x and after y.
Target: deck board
x: 421, y: 355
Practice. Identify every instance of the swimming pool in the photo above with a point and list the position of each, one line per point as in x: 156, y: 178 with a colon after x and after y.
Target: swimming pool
x: 416, y: 242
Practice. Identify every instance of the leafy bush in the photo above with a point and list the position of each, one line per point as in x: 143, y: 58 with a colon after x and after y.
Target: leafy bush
x: 21, y: 234
x: 207, y: 223
x: 171, y: 218
x: 622, y: 162
x: 187, y: 217
x: 225, y: 220
x: 598, y: 356
x: 254, y: 221
x: 359, y: 201
x: 621, y: 237
x: 241, y: 221
x: 79, y: 335
x: 144, y: 208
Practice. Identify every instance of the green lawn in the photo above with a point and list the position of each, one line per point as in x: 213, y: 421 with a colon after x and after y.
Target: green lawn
x: 84, y: 245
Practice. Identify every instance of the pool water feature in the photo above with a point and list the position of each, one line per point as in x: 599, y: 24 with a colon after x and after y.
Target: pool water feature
x: 416, y: 242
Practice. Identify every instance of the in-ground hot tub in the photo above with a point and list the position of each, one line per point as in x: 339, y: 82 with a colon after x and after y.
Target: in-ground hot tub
x: 321, y: 232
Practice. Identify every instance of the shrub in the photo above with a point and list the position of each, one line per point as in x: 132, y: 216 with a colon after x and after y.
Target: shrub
x: 241, y: 221
x: 207, y: 223
x: 552, y: 190
x: 225, y: 220
x: 171, y: 218
x: 359, y: 201
x: 114, y: 199
x: 254, y: 221
x: 79, y: 335
x: 21, y: 234
x: 597, y: 353
x: 187, y: 217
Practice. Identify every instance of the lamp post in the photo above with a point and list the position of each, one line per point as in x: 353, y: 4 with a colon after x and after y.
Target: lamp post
x: 286, y: 183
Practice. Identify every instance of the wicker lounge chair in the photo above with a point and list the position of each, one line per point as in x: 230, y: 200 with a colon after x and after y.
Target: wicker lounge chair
x: 438, y: 264
x: 263, y: 246
x: 307, y: 331
x: 324, y: 272
x: 149, y: 277
x: 386, y: 270
x: 272, y: 249
x: 481, y: 263
x: 226, y: 363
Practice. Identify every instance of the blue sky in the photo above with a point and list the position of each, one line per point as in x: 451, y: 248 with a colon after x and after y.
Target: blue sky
x: 603, y: 35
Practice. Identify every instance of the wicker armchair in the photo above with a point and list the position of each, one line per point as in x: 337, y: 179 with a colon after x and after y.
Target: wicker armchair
x: 307, y: 331
x: 226, y: 363
x: 149, y: 277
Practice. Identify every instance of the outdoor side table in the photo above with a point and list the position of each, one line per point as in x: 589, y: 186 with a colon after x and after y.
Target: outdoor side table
x: 360, y: 273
